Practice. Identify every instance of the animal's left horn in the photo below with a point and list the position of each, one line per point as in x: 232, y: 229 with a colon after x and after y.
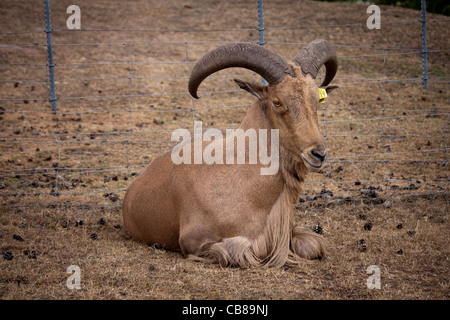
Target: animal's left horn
x: 316, y: 54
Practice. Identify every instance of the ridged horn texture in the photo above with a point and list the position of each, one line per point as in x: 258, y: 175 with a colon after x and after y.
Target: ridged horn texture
x: 316, y: 54
x: 254, y: 57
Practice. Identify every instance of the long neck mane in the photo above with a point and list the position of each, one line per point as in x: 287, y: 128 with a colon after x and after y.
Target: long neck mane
x: 272, y: 247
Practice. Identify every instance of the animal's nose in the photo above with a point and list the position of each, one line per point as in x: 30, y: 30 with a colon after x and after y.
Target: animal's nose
x: 319, y: 154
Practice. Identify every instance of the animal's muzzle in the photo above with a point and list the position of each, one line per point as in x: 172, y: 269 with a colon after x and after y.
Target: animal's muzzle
x: 315, y: 157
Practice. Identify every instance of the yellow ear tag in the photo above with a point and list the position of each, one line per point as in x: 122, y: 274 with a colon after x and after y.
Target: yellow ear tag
x: 322, y: 95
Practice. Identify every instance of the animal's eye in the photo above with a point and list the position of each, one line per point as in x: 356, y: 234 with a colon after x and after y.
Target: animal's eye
x: 277, y: 104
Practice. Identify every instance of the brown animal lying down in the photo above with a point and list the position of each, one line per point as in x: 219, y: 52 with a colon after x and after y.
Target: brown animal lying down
x: 233, y: 214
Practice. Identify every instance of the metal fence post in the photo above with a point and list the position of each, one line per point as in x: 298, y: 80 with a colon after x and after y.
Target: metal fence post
x: 424, y: 44
x: 51, y: 65
x: 261, y: 29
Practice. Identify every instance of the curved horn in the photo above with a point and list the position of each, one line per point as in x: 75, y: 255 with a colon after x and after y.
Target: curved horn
x: 267, y: 64
x: 315, y: 54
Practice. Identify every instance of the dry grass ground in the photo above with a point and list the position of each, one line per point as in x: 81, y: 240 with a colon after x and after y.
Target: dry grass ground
x: 408, y: 242
x: 118, y: 104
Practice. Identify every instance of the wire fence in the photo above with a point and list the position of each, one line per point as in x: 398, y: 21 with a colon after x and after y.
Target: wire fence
x: 79, y: 136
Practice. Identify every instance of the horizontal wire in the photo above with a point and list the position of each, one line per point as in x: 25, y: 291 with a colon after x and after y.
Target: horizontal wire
x: 342, y: 45
x: 387, y: 154
x: 380, y: 54
x: 190, y: 109
x: 85, y: 169
x: 156, y: 30
x: 385, y: 118
x: 341, y: 25
x: 169, y: 130
x: 103, y: 140
x: 62, y: 193
x: 88, y: 206
x: 59, y: 193
x: 125, y: 168
x: 338, y: 159
x: 213, y: 30
x: 187, y: 93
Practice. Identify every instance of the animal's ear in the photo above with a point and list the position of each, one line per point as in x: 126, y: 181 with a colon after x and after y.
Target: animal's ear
x: 251, y: 87
x: 330, y: 88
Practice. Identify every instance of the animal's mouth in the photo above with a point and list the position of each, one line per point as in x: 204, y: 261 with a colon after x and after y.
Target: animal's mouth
x: 312, y: 166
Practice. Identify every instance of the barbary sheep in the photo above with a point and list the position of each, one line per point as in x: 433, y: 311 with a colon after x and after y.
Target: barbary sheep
x: 231, y: 214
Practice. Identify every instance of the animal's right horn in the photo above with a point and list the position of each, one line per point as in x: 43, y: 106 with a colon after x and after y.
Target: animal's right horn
x: 254, y: 57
